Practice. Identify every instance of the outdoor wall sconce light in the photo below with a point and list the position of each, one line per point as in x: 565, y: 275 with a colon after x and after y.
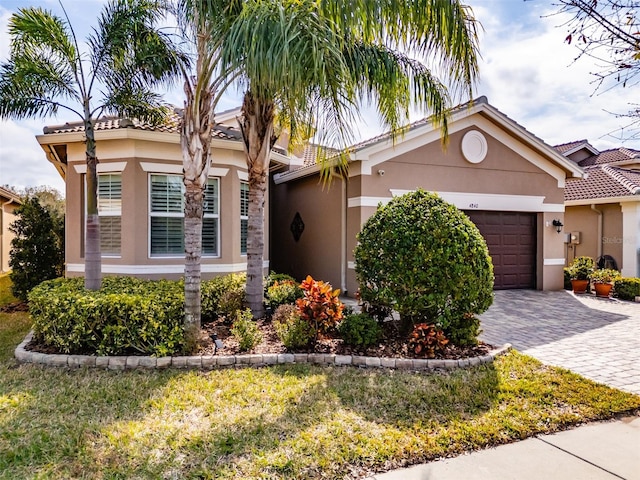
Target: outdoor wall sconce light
x: 558, y: 224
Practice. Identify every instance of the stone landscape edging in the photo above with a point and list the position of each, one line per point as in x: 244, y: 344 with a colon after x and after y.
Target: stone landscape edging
x: 132, y: 362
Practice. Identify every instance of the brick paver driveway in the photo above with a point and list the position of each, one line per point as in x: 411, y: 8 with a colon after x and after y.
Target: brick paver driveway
x: 597, y: 338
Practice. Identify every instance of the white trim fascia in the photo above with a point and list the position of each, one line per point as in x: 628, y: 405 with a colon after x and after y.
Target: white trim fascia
x: 596, y: 201
x: 162, y: 269
x: 284, y: 177
x: 579, y: 147
x: 367, y: 201
x: 474, y: 201
x: 554, y: 261
x: 244, y: 176
x: 101, y: 167
x: 178, y: 169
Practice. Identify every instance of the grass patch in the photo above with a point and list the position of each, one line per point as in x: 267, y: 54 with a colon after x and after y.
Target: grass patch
x: 281, y: 422
x: 296, y: 421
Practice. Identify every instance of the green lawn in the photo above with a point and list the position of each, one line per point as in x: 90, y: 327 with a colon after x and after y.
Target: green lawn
x: 278, y: 422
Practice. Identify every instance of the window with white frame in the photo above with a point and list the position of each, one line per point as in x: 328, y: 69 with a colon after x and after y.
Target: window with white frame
x: 110, y: 213
x: 166, y: 211
x: 244, y: 216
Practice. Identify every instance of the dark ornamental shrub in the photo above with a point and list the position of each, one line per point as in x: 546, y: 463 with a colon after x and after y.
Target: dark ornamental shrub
x: 425, y: 259
x: 360, y: 330
x: 426, y: 341
x: 36, y: 250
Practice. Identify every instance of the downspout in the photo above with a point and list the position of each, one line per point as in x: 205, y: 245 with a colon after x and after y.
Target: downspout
x: 599, y: 212
x: 343, y: 231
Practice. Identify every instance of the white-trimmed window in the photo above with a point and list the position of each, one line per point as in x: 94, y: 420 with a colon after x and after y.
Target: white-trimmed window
x: 244, y: 216
x: 110, y: 213
x: 166, y: 212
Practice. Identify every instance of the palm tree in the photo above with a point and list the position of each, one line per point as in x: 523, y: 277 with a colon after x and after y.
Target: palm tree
x: 314, y: 61
x: 203, y: 24
x: 47, y: 71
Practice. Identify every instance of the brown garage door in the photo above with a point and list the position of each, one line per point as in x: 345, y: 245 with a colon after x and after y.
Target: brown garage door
x: 511, y: 238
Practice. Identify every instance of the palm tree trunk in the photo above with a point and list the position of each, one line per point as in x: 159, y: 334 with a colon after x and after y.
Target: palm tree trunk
x: 193, y: 254
x: 195, y: 141
x: 256, y: 125
x: 92, y: 255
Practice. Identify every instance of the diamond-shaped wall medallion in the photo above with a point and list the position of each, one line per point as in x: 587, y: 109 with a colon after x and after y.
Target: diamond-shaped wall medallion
x: 297, y: 226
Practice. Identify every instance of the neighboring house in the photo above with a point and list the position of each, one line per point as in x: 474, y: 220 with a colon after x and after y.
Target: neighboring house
x: 9, y: 201
x: 141, y: 196
x: 603, y: 209
x: 508, y: 181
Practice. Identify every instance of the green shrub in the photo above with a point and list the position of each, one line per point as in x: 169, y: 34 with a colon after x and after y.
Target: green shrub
x: 320, y: 305
x: 294, y: 332
x: 604, y: 275
x: 282, y: 292
x: 246, y: 330
x: 223, y: 296
x: 567, y: 279
x: 426, y: 340
x: 274, y: 277
x: 581, y: 268
x: 424, y: 258
x: 125, y: 316
x: 37, y: 249
x: 627, y: 288
x: 359, y: 330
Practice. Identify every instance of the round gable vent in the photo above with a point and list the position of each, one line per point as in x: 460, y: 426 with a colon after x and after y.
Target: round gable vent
x: 474, y: 146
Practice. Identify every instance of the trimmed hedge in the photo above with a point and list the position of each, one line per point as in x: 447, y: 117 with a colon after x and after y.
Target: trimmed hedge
x: 627, y: 288
x: 126, y: 316
x: 425, y: 259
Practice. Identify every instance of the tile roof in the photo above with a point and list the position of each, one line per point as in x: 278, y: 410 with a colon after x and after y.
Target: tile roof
x: 565, y: 147
x: 611, y: 156
x: 172, y: 125
x: 311, y: 152
x: 603, y: 181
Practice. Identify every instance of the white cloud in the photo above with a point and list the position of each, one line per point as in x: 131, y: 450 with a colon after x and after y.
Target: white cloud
x: 22, y: 161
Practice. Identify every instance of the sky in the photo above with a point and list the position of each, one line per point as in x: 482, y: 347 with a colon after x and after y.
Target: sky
x: 527, y: 72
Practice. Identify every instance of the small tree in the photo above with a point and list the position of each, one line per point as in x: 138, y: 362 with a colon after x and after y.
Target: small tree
x: 424, y: 258
x: 36, y: 250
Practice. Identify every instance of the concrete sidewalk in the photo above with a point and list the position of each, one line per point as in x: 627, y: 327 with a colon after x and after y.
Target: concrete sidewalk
x: 598, y: 451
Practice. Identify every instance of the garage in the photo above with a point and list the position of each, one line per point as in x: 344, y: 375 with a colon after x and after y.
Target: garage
x: 511, y: 238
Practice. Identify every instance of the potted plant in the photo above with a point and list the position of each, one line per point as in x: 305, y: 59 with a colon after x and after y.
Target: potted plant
x: 603, y: 280
x: 580, y: 271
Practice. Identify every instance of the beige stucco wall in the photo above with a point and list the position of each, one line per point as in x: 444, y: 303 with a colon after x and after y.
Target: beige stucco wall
x: 7, y: 217
x: 503, y: 172
x: 160, y: 157
x: 585, y: 220
x: 317, y: 252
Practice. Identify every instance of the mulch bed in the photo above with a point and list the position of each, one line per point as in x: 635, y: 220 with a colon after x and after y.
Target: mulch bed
x: 15, y: 307
x: 389, y: 346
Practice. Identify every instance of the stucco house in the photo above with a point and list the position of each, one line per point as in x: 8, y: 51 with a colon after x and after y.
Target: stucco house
x: 141, y: 195
x: 9, y: 201
x: 506, y: 179
x: 509, y: 182
x: 602, y: 210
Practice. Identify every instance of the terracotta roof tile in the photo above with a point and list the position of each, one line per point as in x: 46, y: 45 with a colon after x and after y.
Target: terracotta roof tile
x: 603, y: 181
x: 611, y: 156
x: 565, y: 147
x: 172, y: 125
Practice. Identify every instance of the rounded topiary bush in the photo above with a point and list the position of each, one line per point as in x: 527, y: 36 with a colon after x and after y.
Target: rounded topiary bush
x: 425, y: 259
